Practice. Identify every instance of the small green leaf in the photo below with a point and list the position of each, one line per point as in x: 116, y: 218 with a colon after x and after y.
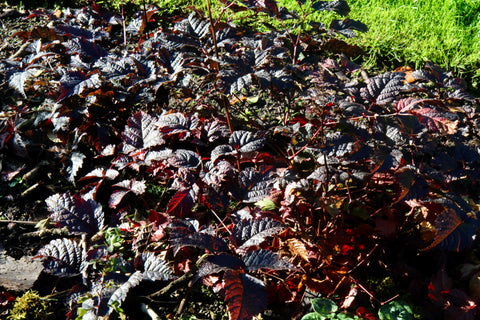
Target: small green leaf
x: 313, y: 316
x: 253, y: 100
x: 324, y: 306
x: 346, y: 316
x: 266, y: 204
x: 395, y: 310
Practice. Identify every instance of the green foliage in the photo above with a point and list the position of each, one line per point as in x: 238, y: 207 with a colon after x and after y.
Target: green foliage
x: 30, y: 306
x: 412, y: 32
x: 113, y: 239
x: 327, y: 309
x: 395, y: 310
x: 266, y: 204
x: 324, y: 306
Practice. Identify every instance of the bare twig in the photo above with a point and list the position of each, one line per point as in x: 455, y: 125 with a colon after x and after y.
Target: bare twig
x: 184, y: 300
x: 221, y: 221
x: 31, y: 223
x: 168, y: 287
x: 45, y: 233
x: 148, y: 311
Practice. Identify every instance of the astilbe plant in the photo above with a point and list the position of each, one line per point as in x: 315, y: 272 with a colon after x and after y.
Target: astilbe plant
x: 285, y: 172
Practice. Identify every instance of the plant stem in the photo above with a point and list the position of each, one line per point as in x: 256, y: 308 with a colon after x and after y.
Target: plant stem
x: 212, y: 28
x: 124, y: 27
x: 226, y: 103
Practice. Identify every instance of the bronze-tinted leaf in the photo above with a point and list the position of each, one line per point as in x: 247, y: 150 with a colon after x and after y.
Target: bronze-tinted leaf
x: 245, y: 295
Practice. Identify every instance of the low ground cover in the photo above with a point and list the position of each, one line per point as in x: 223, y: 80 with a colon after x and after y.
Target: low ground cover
x: 184, y: 171
x: 416, y: 31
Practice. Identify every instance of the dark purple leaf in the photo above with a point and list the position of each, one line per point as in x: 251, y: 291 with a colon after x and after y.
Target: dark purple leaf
x: 77, y: 83
x: 202, y: 240
x: 422, y: 75
x: 219, y: 173
x: 88, y: 49
x: 219, y: 263
x: 101, y: 173
x: 250, y: 232
x: 194, y: 25
x: 141, y: 132
x: 77, y: 163
x: 75, y: 213
x: 461, y: 94
x: 183, y: 227
x: 384, y: 88
x: 137, y: 187
x: 186, y: 159
x: 268, y: 6
x: 63, y: 257
x: 339, y: 6
x: 216, y: 130
x: 18, y: 79
x: 155, y: 268
x: 120, y: 294
x: 406, y: 104
x: 182, y: 202
x: 175, y: 123
x: 455, y: 227
x: 436, y: 121
x: 347, y: 26
x: 241, y: 83
x: 111, y: 66
x: 413, y: 185
x: 76, y: 32
x: 221, y: 150
x: 265, y: 259
x: 256, y: 185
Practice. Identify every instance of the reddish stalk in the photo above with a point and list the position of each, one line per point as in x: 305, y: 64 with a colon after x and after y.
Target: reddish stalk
x: 212, y: 28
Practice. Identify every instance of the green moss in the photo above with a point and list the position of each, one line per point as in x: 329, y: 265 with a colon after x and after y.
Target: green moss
x: 384, y: 288
x: 31, y: 306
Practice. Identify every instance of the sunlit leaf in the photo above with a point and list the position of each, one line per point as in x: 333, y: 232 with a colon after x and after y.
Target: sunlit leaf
x: 245, y: 141
x: 384, y: 88
x: 265, y: 259
x: 185, y: 159
x: 182, y: 202
x: 75, y: 213
x: 121, y: 293
x: 77, y: 83
x: 141, y: 132
x: 219, y: 263
x: 126, y: 186
x: 77, y: 163
x: 245, y: 295
x: 63, y: 257
x: 19, y: 79
x: 339, y: 6
x: 250, y: 232
x: 156, y: 268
